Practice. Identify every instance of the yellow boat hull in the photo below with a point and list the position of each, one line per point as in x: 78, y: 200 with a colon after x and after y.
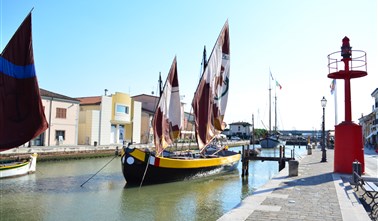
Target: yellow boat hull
x: 140, y: 166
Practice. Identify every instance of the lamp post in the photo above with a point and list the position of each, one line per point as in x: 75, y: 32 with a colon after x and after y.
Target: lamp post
x: 324, y: 154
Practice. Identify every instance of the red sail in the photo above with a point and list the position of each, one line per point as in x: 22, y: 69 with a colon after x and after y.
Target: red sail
x: 167, y: 119
x: 210, y: 99
x: 22, y: 115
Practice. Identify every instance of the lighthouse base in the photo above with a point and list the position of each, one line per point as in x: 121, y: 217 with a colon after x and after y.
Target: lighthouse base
x: 348, y: 147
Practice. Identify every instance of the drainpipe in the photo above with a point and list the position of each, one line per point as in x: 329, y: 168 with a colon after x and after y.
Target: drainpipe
x: 51, y: 100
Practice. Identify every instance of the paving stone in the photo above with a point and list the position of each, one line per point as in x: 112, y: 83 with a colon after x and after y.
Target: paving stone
x: 311, y: 195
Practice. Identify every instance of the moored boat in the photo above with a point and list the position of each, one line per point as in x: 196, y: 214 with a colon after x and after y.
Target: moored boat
x: 18, y: 168
x: 173, y: 167
x: 144, y: 166
x: 271, y: 142
x: 272, y: 139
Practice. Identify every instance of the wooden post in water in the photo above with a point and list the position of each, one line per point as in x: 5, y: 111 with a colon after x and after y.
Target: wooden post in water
x: 245, y: 162
x: 281, y: 162
x: 243, y: 159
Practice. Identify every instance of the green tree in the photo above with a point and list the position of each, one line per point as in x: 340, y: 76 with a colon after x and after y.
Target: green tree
x: 260, y: 133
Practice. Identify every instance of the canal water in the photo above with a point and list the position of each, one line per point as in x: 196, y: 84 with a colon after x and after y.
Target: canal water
x: 54, y: 192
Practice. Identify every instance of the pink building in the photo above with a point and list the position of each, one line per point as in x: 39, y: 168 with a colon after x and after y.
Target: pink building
x: 62, y: 114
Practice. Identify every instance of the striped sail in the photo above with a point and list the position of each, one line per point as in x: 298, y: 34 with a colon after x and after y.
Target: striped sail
x: 167, y: 119
x: 210, y: 99
x: 22, y: 115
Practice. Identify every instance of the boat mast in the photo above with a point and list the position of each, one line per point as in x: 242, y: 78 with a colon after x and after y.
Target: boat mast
x: 270, y: 102
x: 160, y: 85
x: 204, y: 61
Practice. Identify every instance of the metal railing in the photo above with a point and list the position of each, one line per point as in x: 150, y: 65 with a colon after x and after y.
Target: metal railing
x: 357, y: 62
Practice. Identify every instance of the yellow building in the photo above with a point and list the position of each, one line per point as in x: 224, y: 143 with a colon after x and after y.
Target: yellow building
x: 109, y: 120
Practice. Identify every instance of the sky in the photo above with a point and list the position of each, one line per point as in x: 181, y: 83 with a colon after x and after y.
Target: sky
x: 83, y: 47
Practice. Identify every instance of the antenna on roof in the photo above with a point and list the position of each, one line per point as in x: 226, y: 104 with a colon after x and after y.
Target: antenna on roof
x: 106, y: 91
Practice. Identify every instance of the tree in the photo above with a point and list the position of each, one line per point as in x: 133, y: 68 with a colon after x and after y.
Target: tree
x: 260, y: 133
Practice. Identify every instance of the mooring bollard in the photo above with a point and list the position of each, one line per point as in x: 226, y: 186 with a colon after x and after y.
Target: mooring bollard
x: 293, y: 167
x: 116, y: 152
x: 356, y: 167
x: 309, y: 150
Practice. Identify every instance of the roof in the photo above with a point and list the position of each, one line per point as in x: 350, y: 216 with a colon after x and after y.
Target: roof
x: 244, y: 124
x: 149, y: 102
x: 144, y: 96
x: 374, y: 92
x: 96, y: 100
x: 46, y: 93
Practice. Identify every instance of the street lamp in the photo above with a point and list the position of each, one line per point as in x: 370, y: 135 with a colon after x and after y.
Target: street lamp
x: 324, y: 155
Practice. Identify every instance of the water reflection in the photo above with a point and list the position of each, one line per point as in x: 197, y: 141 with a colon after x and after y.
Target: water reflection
x: 54, y: 193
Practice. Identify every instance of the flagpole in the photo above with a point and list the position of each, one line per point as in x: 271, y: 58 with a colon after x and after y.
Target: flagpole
x: 275, y: 108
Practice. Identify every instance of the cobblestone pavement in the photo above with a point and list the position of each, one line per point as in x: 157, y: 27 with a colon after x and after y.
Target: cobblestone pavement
x: 315, y: 194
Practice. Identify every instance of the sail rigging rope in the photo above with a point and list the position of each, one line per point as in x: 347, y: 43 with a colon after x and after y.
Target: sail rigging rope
x: 145, y: 171
x: 98, y: 171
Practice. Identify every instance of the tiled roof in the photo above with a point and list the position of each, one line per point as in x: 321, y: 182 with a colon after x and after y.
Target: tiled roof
x: 89, y: 100
x: 46, y: 93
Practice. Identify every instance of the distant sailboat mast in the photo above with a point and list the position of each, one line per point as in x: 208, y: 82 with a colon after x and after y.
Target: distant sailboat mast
x: 160, y: 85
x: 270, y: 103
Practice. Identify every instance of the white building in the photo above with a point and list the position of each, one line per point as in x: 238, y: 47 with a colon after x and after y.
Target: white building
x: 240, y: 129
x: 109, y: 120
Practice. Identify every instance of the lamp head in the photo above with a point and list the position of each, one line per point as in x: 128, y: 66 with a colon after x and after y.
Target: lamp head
x: 323, y: 102
x: 346, y: 49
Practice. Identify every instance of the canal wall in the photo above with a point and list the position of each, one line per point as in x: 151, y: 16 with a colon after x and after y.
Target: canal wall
x: 51, y: 153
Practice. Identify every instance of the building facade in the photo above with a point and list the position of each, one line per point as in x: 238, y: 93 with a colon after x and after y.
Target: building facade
x: 369, y: 124
x: 62, y: 115
x: 149, y: 103
x: 242, y: 130
x: 109, y: 120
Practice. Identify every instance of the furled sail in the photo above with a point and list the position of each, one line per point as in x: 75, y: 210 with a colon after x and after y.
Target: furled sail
x: 22, y: 115
x: 167, y: 119
x: 210, y: 99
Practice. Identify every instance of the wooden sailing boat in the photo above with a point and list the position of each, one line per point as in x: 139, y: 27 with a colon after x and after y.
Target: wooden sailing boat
x: 272, y: 140
x: 209, y: 103
x: 22, y: 115
x: 18, y: 168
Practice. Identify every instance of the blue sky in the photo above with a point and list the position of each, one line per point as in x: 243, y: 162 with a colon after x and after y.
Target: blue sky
x: 84, y: 47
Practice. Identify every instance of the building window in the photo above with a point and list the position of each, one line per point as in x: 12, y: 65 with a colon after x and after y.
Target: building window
x: 122, y: 109
x: 60, y: 135
x: 61, y: 112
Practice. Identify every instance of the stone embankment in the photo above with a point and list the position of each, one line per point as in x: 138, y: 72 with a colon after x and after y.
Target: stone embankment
x: 51, y: 153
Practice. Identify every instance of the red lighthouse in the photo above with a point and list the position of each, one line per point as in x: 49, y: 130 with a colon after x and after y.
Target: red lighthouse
x: 348, y: 135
